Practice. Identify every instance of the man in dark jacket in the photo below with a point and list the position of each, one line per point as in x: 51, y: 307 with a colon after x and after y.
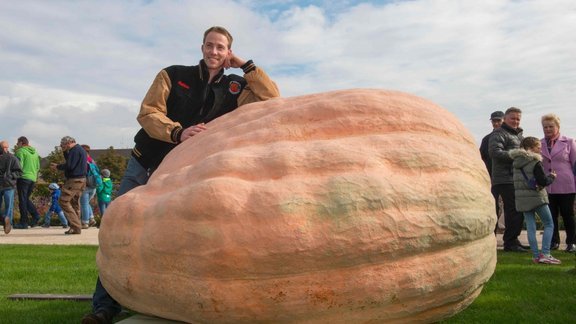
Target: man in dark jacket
x: 496, y: 118
x: 179, y: 103
x: 502, y: 140
x: 75, y: 172
x: 10, y: 171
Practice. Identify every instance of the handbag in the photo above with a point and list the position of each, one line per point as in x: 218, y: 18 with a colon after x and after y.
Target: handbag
x: 530, y: 182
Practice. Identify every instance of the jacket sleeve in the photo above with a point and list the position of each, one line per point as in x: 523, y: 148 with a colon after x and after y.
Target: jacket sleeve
x: 484, y: 151
x: 260, y: 87
x: 496, y: 148
x: 572, y: 155
x: 541, y: 178
x: 16, y: 169
x: 153, y: 111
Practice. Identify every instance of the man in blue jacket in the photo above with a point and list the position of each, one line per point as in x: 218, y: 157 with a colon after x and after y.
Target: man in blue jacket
x: 75, y: 172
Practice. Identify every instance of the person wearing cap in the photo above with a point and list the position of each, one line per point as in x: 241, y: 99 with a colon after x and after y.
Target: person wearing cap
x: 496, y: 118
x: 55, y: 207
x: 502, y: 140
x: 75, y: 172
x: 10, y: 170
x: 104, y: 192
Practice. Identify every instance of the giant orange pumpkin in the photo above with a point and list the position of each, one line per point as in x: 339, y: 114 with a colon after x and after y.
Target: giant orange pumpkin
x: 341, y: 207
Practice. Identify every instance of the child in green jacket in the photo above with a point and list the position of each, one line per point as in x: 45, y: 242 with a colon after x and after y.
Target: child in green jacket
x: 104, y: 192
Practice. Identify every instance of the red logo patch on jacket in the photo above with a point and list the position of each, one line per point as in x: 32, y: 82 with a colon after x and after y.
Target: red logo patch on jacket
x: 234, y: 87
x: 183, y: 85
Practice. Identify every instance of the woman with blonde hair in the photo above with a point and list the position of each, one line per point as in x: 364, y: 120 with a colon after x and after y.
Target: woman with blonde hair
x: 559, y: 155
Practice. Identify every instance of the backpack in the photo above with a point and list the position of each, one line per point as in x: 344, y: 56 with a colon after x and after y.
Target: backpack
x: 93, y: 179
x: 531, y: 183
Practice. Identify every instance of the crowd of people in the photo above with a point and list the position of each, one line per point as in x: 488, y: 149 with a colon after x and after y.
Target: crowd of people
x: 531, y: 177
x: 19, y: 173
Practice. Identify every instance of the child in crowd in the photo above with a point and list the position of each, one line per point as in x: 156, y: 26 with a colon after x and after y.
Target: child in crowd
x: 55, y: 207
x: 531, y: 197
x: 104, y: 191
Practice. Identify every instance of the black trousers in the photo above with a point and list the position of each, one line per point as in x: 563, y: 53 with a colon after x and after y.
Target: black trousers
x: 25, y: 188
x: 563, y: 204
x: 513, y: 218
x: 496, y: 197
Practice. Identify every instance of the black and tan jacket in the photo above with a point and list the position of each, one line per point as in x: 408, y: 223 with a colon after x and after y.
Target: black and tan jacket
x: 181, y: 96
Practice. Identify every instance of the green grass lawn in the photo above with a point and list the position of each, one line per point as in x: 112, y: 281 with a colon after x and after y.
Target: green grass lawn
x: 45, y: 269
x: 518, y: 292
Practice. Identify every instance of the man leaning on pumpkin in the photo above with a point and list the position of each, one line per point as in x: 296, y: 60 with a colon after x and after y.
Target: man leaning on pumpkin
x: 192, y: 96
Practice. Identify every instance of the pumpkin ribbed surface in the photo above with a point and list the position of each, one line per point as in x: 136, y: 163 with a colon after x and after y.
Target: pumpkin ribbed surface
x: 347, y: 206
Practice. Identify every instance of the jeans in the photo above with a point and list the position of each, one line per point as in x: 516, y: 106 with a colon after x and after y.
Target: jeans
x: 134, y: 176
x: 86, y: 211
x: 102, y: 206
x: 24, y: 188
x: 7, y: 195
x: 61, y: 216
x: 544, y: 212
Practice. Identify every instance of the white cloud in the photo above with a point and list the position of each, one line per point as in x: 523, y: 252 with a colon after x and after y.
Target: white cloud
x: 65, y: 63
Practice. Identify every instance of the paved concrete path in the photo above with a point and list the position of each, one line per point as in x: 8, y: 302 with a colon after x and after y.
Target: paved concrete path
x: 52, y: 235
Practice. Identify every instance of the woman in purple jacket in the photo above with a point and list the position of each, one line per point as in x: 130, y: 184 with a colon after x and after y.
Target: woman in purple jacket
x: 559, y: 155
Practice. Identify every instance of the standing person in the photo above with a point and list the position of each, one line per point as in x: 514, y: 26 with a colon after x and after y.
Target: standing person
x: 86, y: 211
x: 75, y: 172
x: 502, y: 141
x: 178, y: 104
x: 55, y: 207
x: 531, y: 198
x: 10, y: 171
x: 104, y: 192
x: 496, y: 118
x: 30, y: 162
x: 559, y: 155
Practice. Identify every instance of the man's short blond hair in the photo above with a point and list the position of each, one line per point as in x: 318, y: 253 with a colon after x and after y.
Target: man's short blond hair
x: 512, y: 110
x: 219, y: 30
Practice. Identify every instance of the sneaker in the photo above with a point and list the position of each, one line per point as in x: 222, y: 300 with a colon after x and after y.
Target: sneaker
x: 7, y: 225
x: 46, y: 226
x: 64, y: 226
x: 536, y: 259
x: 92, y: 222
x: 20, y: 226
x: 548, y: 259
x: 85, y: 226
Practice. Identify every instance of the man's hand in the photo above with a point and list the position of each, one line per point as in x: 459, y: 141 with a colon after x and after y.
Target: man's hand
x: 191, y: 131
x: 233, y: 61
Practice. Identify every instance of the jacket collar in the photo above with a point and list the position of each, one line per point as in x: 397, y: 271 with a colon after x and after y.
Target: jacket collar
x: 509, y: 129
x: 205, y: 75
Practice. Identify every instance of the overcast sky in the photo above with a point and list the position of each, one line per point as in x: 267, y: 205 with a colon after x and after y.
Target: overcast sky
x: 81, y: 68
